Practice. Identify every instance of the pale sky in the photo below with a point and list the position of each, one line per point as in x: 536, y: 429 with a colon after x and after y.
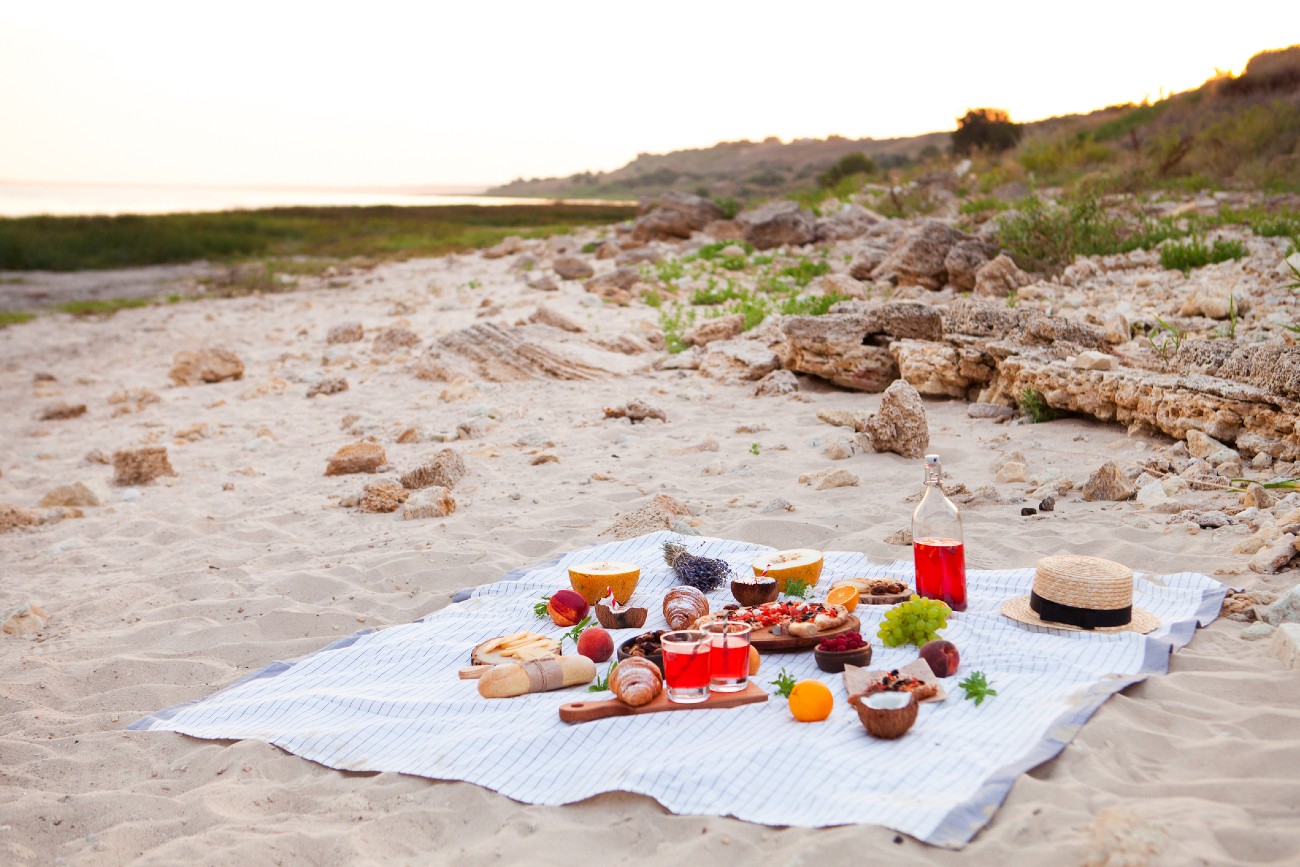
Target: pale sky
x: 374, y: 92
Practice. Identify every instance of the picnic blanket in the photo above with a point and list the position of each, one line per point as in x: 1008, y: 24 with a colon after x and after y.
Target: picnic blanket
x: 390, y: 700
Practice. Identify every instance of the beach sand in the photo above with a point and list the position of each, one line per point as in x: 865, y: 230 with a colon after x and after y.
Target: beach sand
x: 173, y: 590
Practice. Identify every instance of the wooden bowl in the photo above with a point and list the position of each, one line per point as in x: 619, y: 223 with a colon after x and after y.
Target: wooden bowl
x: 628, y: 618
x: 886, y: 715
x: 755, y: 591
x: 833, y: 661
x: 657, y: 658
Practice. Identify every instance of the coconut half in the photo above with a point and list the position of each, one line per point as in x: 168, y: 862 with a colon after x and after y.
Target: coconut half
x: 592, y: 579
x: 886, y: 715
x: 799, y: 564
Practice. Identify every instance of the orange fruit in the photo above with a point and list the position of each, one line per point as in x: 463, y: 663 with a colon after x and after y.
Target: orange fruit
x: 811, y: 701
x: 845, y: 594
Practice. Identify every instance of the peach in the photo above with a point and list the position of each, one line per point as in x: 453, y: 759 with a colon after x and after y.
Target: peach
x: 596, y: 644
x: 941, y: 656
x: 567, y: 607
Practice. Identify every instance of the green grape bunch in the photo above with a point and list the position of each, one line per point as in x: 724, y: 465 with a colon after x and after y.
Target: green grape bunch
x: 915, y: 621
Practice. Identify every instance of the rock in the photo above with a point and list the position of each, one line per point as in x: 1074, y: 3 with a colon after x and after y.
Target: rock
x: 328, y: 386
x: 659, y: 514
x: 1256, y: 631
x: 362, y: 457
x: 1152, y: 495
x: 445, y: 469
x: 26, y: 621
x: 900, y: 426
x: 841, y: 449
x: 725, y: 230
x: 851, y: 349
x: 14, y: 517
x: 847, y: 223
x: 1285, y: 609
x: 675, y: 215
x: 635, y: 411
x: 1116, y: 328
x: 61, y: 411
x: 1028, y: 511
x: 842, y: 285
x: 1201, y: 445
x: 780, y: 504
x: 865, y: 264
x: 639, y: 255
x: 1011, y: 472
x: 1048, y: 504
x: 777, y: 384
x: 140, y: 466
x: 211, y: 364
x: 435, y: 502
x: 383, y: 497
x: 835, y: 479
x: 544, y: 459
x: 738, y: 360
x: 1093, y: 360
x: 717, y: 328
x: 507, y: 247
x: 780, y: 223
x: 1108, y: 483
x: 544, y: 315
x: 615, y: 285
x: 688, y: 359
x: 713, y: 469
x: 843, y: 418
x: 544, y: 283
x: 1215, y: 301
x: 573, y: 268
x: 941, y: 370
x: 1285, y: 644
x: 899, y: 537
x: 1271, y: 559
x: 394, y: 339
x: 919, y: 259
x: 999, y: 278
x: 964, y: 259
x: 92, y: 493
x: 346, y: 332
x: 1258, y: 496
x: 994, y: 411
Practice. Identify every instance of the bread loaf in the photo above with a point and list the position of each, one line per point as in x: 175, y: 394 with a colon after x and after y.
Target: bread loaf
x: 539, y: 675
x: 636, y: 680
x: 683, y: 606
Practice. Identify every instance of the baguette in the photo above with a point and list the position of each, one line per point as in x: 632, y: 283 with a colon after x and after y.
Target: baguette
x: 511, y: 679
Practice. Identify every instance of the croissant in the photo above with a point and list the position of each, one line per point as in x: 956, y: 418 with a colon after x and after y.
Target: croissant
x: 683, y: 606
x: 636, y: 680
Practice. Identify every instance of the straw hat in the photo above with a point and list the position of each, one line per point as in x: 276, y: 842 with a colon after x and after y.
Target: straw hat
x: 1071, y: 592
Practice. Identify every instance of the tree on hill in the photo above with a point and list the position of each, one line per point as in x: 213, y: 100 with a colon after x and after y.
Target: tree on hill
x: 856, y: 163
x: 985, y: 129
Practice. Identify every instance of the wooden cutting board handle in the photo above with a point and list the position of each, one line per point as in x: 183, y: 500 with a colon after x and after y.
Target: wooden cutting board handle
x: 586, y: 711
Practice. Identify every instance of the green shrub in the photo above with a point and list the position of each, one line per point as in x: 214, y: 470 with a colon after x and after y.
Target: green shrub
x: 847, y: 166
x: 1195, y: 253
x: 674, y: 323
x: 811, y: 305
x: 985, y: 129
x: 1035, y: 406
x: 15, y: 317
x: 805, y: 270
x: 730, y: 208
x: 711, y: 294
x: 1042, y: 237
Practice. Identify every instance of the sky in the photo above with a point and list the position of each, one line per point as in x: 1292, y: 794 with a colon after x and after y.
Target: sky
x: 476, y: 93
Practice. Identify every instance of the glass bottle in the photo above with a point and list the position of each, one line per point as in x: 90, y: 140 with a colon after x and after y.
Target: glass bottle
x: 937, y: 545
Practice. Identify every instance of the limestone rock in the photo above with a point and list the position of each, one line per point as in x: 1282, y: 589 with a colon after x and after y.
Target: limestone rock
x: 14, y: 517
x: 1286, y: 609
x: 780, y: 504
x: 362, y: 457
x: 841, y: 284
x: 841, y: 449
x: 850, y: 221
x: 843, y: 418
x: 1152, y: 496
x: 636, y: 411
x: 435, y: 502
x: 718, y: 328
x: 675, y: 215
x: 1116, y: 328
x: 1215, y: 301
x: 1093, y: 360
x: 1256, y: 631
x: 900, y: 425
x: 899, y: 537
x: 346, y: 332
x: 394, y: 339
x: 507, y: 247
x: 919, y: 259
x: 383, y: 497
x: 827, y: 479
x: 845, y: 348
x: 1011, y: 472
x: 964, y: 260
x: 994, y: 411
x: 615, y: 285
x: 526, y: 352
x: 328, y: 386
x: 1108, y: 483
x: 445, y: 469
x: 780, y: 223
x: 777, y: 384
x: 211, y: 364
x: 1285, y: 644
x: 549, y: 316
x: 573, y: 268
x: 999, y: 278
x: 639, y: 255
x: 140, y: 466
x: 26, y: 621
x: 1258, y: 496
x: 91, y: 493
x: 738, y: 360
x: 1274, y: 557
x: 940, y: 369
x: 543, y: 283
x: 1202, y: 445
x: 61, y: 411
x: 661, y: 513
x: 725, y: 230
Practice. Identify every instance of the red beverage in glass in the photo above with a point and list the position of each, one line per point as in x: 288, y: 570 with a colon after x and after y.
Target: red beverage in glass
x: 941, y: 571
x: 730, y: 663
x: 687, y: 671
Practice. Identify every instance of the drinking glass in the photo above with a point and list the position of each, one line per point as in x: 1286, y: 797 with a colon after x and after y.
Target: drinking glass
x: 686, y: 665
x: 728, y: 656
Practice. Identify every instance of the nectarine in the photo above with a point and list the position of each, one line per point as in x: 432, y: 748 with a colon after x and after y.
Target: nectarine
x: 596, y: 644
x: 567, y: 607
x: 941, y: 656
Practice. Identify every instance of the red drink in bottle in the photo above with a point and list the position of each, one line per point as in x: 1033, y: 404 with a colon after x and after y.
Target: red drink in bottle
x: 937, y: 545
x: 941, y: 571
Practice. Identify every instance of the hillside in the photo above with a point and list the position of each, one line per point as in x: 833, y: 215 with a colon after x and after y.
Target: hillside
x: 1235, y: 131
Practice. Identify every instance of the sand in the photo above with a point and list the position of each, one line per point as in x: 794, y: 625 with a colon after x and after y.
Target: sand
x: 178, y: 588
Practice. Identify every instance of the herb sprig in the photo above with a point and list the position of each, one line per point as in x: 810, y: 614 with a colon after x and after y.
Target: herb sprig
x: 977, y: 687
x: 602, y: 684
x: 540, y: 608
x: 574, y: 633
x: 784, y: 683
x: 797, y: 588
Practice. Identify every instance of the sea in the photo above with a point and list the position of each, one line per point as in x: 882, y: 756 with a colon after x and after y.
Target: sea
x: 21, y: 199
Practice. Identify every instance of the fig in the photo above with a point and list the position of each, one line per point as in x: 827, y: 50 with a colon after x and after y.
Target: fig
x: 941, y: 656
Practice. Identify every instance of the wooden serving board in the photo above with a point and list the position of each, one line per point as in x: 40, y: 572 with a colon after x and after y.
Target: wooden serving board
x: 586, y: 711
x: 765, y: 642
x: 887, y: 599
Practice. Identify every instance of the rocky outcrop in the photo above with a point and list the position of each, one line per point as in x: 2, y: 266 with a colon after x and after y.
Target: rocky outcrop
x: 615, y: 285
x: 738, y: 360
x: 1273, y: 368
x: 943, y: 369
x: 920, y: 259
x: 674, y: 215
x: 778, y: 224
x: 850, y: 221
x: 526, y: 352
x: 851, y: 349
x: 899, y: 426
x: 212, y: 364
x: 445, y: 469
x: 999, y: 278
x: 573, y: 268
x: 717, y: 328
x: 965, y: 258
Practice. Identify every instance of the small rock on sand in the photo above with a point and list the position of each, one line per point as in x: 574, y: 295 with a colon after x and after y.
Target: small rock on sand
x: 356, y: 458
x: 572, y: 268
x: 61, y: 411
x: 899, y: 537
x: 1108, y: 483
x: 1011, y: 472
x: 780, y: 504
x: 140, y: 466
x: 636, y: 410
x: 777, y: 384
x: 445, y: 469
x: 1286, y: 609
x: 13, y: 517
x: 210, y: 364
x: 92, y: 493
x: 435, y: 502
x: 829, y: 478
x: 900, y: 426
x: 394, y: 339
x: 659, y: 514
x: 347, y: 332
x: 26, y: 621
x: 1285, y: 644
x: 1274, y: 557
x: 328, y: 386
x: 383, y: 497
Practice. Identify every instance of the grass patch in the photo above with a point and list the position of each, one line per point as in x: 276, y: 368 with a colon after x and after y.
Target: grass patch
x: 711, y: 294
x: 674, y: 323
x: 83, y: 243
x: 101, y: 306
x: 1042, y: 237
x: 811, y: 305
x: 805, y: 271
x: 15, y: 317
x: 1035, y: 406
x: 1195, y: 253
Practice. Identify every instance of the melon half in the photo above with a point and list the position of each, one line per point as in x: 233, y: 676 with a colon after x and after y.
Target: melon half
x: 592, y: 579
x: 800, y: 564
